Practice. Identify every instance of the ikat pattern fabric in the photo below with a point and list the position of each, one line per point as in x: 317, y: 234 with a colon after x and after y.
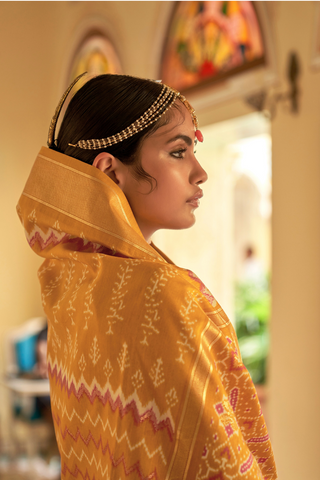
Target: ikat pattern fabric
x: 145, y: 372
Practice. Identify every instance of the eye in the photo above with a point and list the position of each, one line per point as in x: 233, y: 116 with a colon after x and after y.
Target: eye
x: 179, y: 153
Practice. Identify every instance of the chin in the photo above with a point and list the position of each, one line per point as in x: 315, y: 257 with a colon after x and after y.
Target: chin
x: 184, y: 225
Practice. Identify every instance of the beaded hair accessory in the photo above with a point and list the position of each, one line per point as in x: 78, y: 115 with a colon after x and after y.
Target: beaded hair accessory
x: 163, y: 102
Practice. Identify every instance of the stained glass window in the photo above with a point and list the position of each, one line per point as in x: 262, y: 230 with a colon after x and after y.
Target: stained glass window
x: 209, y: 41
x: 96, y: 56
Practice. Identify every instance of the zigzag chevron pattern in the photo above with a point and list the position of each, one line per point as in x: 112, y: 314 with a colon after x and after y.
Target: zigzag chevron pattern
x: 52, y: 237
x: 135, y: 468
x: 106, y: 427
x: 116, y: 400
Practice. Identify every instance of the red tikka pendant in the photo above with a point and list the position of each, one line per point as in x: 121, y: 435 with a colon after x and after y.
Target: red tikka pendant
x: 199, y: 136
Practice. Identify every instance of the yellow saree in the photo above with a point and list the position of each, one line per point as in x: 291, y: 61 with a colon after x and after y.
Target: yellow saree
x: 145, y: 372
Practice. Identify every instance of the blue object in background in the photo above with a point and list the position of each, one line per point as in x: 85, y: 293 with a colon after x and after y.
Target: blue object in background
x: 26, y: 353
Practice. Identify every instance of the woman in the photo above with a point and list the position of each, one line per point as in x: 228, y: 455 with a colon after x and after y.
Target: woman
x: 145, y: 371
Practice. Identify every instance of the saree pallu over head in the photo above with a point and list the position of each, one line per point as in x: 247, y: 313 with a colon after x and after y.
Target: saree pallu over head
x: 145, y: 372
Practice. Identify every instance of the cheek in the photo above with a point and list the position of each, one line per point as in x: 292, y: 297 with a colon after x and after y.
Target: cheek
x: 166, y: 199
x: 169, y: 198
x: 135, y: 189
x: 175, y: 185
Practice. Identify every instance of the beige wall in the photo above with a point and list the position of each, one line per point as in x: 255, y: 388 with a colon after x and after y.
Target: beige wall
x: 295, y: 361
x: 36, y: 42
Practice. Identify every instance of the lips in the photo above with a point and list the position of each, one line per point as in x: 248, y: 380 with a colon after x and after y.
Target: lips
x: 195, y: 200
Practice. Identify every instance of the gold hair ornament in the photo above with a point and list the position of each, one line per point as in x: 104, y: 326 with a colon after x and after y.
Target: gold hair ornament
x: 162, y: 103
x: 165, y: 99
x: 55, y: 117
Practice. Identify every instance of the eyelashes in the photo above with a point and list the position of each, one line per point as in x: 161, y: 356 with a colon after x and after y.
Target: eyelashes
x: 180, y: 153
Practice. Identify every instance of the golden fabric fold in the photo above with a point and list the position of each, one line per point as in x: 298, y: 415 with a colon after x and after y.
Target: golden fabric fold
x: 145, y: 373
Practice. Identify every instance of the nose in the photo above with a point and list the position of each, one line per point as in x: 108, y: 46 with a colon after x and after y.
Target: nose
x: 199, y: 174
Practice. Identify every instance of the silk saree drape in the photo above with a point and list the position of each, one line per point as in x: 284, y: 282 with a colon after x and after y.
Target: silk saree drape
x: 145, y: 372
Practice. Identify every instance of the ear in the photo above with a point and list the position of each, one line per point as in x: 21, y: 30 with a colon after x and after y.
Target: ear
x: 109, y: 165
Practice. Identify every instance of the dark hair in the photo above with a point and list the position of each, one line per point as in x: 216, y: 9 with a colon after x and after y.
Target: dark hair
x: 104, y: 106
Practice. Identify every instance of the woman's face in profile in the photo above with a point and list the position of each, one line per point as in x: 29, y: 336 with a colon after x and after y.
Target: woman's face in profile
x: 168, y: 156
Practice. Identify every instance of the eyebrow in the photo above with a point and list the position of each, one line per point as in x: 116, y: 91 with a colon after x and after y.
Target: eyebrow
x: 185, y: 138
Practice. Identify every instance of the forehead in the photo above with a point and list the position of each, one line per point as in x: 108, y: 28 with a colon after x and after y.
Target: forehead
x: 177, y: 117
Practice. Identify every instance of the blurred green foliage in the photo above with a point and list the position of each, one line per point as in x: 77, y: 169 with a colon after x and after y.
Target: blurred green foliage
x: 252, y: 313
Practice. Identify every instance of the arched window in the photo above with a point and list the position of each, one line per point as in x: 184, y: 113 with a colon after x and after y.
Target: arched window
x: 96, y: 56
x: 210, y: 41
